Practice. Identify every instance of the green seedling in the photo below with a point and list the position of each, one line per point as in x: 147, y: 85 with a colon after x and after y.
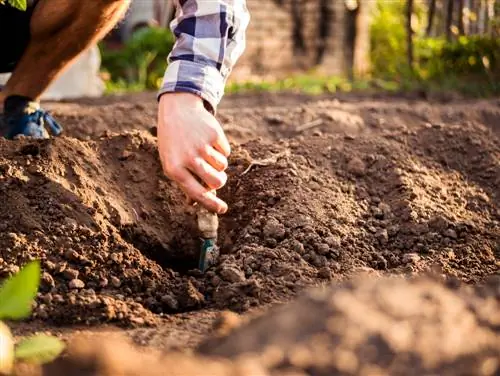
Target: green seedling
x: 18, y: 4
x: 16, y: 298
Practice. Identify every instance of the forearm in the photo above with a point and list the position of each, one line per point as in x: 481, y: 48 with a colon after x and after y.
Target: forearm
x: 210, y: 38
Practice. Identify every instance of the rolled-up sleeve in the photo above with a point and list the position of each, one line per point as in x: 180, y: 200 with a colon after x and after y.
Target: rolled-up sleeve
x: 210, y: 38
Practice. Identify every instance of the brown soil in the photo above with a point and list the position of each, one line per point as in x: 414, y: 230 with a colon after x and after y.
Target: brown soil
x: 319, y: 191
x: 363, y: 327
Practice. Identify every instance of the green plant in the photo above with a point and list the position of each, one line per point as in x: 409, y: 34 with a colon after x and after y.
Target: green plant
x: 19, y: 4
x: 16, y: 297
x: 141, y: 63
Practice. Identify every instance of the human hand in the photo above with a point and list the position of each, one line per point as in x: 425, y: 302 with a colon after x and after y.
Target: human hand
x: 193, y: 148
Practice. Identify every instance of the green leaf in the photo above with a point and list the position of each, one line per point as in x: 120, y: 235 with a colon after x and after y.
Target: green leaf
x: 18, y: 4
x: 18, y: 292
x: 39, y: 349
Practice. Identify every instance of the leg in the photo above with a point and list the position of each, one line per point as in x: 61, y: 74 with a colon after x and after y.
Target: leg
x: 60, y: 31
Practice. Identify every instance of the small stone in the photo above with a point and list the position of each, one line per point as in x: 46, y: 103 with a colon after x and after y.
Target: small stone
x: 50, y: 265
x: 71, y: 255
x: 137, y: 320
x: 116, y: 258
x: 450, y: 233
x: 274, y: 119
x: 325, y: 273
x: 411, y: 258
x: 382, y: 236
x: 48, y: 280
x: 336, y: 268
x: 103, y: 282
x: 71, y: 224
x: 317, y: 260
x: 386, y: 209
x: 170, y: 302
x: 322, y: 248
x: 76, y: 284
x: 298, y: 247
x: 356, y: 167
x: 393, y: 230
x: 232, y: 274
x: 191, y: 297
x: 274, y: 229
x: 47, y: 298
x: 115, y: 281
x: 438, y: 223
x: 378, y: 213
x: 70, y: 274
x: 380, y: 262
x: 41, y: 312
x: 61, y: 267
x: 333, y: 241
x: 12, y: 236
x: 126, y: 154
x: 216, y: 281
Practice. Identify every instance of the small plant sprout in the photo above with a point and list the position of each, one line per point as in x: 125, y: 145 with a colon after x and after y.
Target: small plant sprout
x: 16, y: 298
x: 18, y: 4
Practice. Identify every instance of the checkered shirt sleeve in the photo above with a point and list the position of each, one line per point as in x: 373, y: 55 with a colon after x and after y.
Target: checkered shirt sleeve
x: 210, y: 38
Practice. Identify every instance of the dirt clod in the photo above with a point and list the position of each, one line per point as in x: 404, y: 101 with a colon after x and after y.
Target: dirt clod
x: 356, y: 167
x: 232, y: 274
x: 76, y: 284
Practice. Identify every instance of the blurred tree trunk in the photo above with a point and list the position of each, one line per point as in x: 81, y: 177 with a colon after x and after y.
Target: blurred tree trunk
x: 460, y: 17
x: 361, y: 63
x: 449, y: 19
x: 409, y: 32
x: 481, y: 22
x: 299, y: 44
x: 331, y: 54
x: 466, y: 17
x: 430, y: 19
x: 491, y: 16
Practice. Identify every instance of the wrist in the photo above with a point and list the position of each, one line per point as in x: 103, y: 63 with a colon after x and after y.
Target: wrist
x: 174, y: 100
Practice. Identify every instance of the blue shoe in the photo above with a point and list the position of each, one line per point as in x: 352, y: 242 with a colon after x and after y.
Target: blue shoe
x: 31, y: 121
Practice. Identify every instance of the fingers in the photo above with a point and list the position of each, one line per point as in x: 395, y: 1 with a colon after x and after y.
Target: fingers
x: 220, y: 143
x: 198, y: 193
x: 210, y: 176
x: 214, y: 158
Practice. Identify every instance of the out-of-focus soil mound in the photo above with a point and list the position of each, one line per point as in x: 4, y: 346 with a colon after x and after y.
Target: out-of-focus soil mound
x: 375, y: 327
x: 370, y: 326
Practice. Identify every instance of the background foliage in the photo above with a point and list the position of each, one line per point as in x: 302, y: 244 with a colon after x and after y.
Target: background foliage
x: 463, y: 59
x: 141, y: 63
x: 468, y: 63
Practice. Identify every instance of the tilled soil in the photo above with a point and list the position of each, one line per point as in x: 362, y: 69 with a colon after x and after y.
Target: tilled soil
x: 319, y: 191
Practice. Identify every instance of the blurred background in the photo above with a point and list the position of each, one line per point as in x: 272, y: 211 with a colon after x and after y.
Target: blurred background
x: 317, y: 46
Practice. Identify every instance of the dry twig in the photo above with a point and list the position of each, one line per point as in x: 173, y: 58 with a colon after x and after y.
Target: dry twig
x: 307, y: 126
x: 266, y: 162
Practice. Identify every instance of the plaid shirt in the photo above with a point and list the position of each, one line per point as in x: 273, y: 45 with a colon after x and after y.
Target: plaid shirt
x: 210, y: 38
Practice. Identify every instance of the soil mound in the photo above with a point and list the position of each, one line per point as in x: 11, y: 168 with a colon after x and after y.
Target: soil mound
x: 375, y: 327
x: 330, y: 190
x: 363, y: 327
